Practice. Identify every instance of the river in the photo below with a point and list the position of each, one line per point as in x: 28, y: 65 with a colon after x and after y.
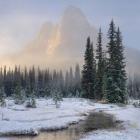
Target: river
x: 93, y: 122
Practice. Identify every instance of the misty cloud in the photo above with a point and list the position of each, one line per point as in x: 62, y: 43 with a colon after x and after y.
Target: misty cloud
x: 62, y: 45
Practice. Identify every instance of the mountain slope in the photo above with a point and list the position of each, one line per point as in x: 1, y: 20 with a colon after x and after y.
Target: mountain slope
x: 62, y: 45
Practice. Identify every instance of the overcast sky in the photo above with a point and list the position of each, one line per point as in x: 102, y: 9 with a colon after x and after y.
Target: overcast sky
x: 20, y: 20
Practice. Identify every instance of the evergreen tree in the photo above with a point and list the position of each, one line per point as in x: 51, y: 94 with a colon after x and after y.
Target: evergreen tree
x: 4, y: 79
x: 56, y: 96
x: 2, y: 97
x: 31, y: 102
x: 25, y: 79
x: 27, y: 85
x: 71, y: 82
x: 120, y: 66
x: 105, y: 69
x: 77, y: 79
x: 40, y: 84
x: 130, y: 88
x: 61, y: 81
x: 47, y: 83
x: 100, y: 68
x: 8, y: 83
x: 116, y: 76
x: 66, y: 84
x: 111, y: 71
x: 19, y: 95
x: 32, y: 79
x: 88, y: 72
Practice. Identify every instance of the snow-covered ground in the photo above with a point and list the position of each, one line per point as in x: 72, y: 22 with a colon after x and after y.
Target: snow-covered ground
x: 18, y: 119
x: 131, y: 123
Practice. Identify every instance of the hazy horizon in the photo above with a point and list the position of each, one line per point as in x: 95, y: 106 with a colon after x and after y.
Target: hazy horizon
x: 44, y: 34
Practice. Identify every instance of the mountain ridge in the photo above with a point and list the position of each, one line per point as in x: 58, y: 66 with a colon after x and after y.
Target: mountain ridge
x: 62, y: 45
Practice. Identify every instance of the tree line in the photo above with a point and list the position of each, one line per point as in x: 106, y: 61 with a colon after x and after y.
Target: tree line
x: 34, y: 82
x: 103, y: 76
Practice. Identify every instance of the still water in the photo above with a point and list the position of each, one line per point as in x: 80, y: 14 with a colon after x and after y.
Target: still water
x: 74, y: 132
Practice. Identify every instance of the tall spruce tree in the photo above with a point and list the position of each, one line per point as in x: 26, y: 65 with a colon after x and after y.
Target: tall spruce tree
x: 88, y: 72
x: 120, y: 66
x: 111, y: 85
x: 99, y: 90
x: 105, y: 69
x: 116, y: 77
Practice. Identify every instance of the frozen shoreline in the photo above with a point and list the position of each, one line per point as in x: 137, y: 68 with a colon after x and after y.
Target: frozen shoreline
x: 18, y: 120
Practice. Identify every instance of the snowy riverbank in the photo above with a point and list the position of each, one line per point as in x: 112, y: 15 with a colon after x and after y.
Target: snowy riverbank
x: 16, y: 119
x: 131, y: 123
